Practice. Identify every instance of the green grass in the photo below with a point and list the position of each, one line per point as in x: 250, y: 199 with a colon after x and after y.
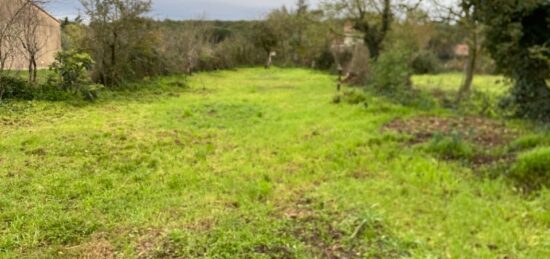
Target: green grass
x: 451, y: 82
x: 533, y: 167
x: 246, y: 163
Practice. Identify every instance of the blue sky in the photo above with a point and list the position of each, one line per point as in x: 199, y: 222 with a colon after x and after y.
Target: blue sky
x: 189, y: 9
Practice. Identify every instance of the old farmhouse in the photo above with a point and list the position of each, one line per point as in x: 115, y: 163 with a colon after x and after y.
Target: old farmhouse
x: 28, y: 32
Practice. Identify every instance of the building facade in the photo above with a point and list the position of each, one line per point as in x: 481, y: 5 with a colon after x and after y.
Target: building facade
x: 24, y: 23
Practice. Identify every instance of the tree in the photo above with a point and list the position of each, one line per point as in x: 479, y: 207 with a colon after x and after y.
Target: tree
x: 465, y: 14
x: 73, y: 34
x: 30, y: 37
x: 301, y: 34
x: 10, y: 16
x: 266, y: 39
x: 19, y: 23
x: 117, y: 31
x: 517, y: 39
x: 371, y: 17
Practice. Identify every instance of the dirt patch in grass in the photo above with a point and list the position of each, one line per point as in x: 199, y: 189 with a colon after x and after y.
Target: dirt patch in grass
x: 97, y: 248
x: 329, y: 233
x: 480, y: 160
x: 482, y: 131
x: 154, y: 243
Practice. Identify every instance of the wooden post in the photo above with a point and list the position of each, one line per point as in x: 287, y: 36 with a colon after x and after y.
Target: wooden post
x: 340, y: 72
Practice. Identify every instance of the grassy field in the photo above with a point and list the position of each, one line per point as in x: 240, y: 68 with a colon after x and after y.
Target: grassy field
x: 451, y: 82
x: 246, y: 163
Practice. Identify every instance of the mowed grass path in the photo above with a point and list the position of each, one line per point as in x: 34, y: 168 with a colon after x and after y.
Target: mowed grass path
x: 246, y: 163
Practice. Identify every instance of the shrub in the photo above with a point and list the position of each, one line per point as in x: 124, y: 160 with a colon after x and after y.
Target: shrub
x: 425, y: 62
x: 391, y: 72
x: 480, y: 103
x: 14, y: 88
x: 325, y: 60
x: 451, y: 147
x: 533, y: 168
x: 72, y: 74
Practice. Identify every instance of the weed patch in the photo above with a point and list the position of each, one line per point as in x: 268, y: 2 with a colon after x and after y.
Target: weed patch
x: 451, y: 147
x: 532, y: 168
x: 485, y: 132
x: 327, y: 233
x: 529, y: 142
x: 353, y: 96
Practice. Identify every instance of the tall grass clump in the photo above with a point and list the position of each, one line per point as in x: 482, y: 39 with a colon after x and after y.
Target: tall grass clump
x: 451, y: 147
x: 532, y: 168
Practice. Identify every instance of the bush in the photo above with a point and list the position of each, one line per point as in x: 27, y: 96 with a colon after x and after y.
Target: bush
x: 15, y: 88
x: 480, y: 103
x: 391, y: 72
x: 72, y: 74
x: 325, y: 60
x: 425, y: 62
x: 532, y: 168
x: 451, y: 147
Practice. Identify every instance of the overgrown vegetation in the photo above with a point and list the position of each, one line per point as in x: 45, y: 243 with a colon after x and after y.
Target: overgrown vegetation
x: 180, y: 159
x: 72, y: 70
x: 517, y: 40
x: 532, y: 168
x: 165, y: 170
x: 451, y: 147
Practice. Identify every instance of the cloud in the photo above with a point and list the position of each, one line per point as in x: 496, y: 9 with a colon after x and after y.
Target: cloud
x: 190, y: 9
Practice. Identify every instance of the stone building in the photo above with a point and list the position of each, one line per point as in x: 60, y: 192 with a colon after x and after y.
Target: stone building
x: 17, y: 15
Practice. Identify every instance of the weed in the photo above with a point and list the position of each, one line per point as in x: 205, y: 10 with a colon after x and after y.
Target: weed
x: 530, y: 141
x: 532, y: 168
x: 352, y: 96
x: 451, y: 147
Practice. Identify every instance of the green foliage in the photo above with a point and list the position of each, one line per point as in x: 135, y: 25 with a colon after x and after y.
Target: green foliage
x: 73, y: 36
x: 516, y: 30
x: 12, y: 87
x: 425, y: 62
x: 72, y: 74
x: 532, y: 168
x: 451, y: 147
x: 480, y: 103
x: 265, y: 37
x: 124, y: 44
x: 391, y: 72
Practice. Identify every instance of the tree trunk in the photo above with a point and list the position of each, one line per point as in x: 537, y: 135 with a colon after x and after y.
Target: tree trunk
x: 30, y: 70
x: 469, y: 70
x: 373, y: 46
x: 374, y: 36
x: 269, y: 61
x: 35, y: 69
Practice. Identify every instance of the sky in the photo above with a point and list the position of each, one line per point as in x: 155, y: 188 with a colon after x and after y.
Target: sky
x: 189, y: 9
